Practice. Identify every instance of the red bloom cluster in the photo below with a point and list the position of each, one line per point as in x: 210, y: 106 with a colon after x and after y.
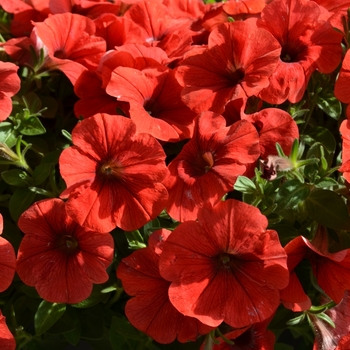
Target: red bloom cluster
x: 224, y: 267
x: 163, y: 93
x: 151, y: 309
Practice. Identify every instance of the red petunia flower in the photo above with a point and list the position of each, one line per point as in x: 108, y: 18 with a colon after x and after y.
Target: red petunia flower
x: 238, y: 10
x: 7, y: 341
x: 113, y: 175
x: 208, y: 165
x: 342, y: 86
x: 117, y: 31
x: 256, y: 337
x: 187, y: 8
x: 93, y: 97
x: 243, y: 8
x: 90, y: 86
x: 10, y: 85
x: 274, y: 126
x: 70, y: 42
x: 226, y: 266
x: 160, y: 28
x: 337, y: 9
x: 24, y: 13
x: 293, y: 296
x: 308, y: 43
x: 332, y: 271
x: 58, y: 257
x: 88, y: 8
x: 150, y: 309
x: 345, y: 134
x: 237, y: 64
x: 155, y: 101
x: 7, y: 260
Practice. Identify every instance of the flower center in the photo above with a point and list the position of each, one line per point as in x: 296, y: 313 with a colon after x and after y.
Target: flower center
x: 112, y: 169
x: 150, y: 105
x: 227, y: 261
x: 67, y: 244
x: 258, y: 125
x: 237, y: 75
x: 60, y: 54
x: 209, y: 161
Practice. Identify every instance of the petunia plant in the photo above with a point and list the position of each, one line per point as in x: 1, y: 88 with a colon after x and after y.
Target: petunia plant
x: 175, y: 174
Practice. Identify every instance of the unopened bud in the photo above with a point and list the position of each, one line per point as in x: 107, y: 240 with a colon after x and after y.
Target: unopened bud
x: 272, y: 165
x: 7, y: 153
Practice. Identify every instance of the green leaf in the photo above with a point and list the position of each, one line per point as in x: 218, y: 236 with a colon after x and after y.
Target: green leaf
x: 73, y: 336
x: 291, y: 193
x: 64, y: 324
x: 340, y: 240
x: 296, y: 320
x: 47, y: 315
x: 245, y: 185
x: 135, y: 240
x: 326, y: 182
x: 330, y: 105
x: 52, y: 157
x: 150, y: 227
x: 326, y: 319
x: 16, y: 177
x: 328, y: 209
x: 67, y: 135
x: 92, y: 322
x: 283, y: 346
x: 321, y: 135
x: 316, y: 151
x: 8, y: 134
x: 32, y: 126
x: 42, y: 172
x: 95, y: 297
x: 20, y: 201
x: 30, y: 291
x: 286, y: 231
x: 123, y: 335
x: 294, y: 154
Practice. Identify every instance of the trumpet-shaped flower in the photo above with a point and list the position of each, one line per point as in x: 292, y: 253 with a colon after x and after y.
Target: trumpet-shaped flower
x: 58, y: 257
x: 114, y: 175
x: 226, y: 266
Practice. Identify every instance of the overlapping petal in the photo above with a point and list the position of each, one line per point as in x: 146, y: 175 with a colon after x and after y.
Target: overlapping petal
x: 150, y: 308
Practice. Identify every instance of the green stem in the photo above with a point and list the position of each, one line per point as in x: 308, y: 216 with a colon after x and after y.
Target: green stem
x: 256, y: 201
x: 209, y: 341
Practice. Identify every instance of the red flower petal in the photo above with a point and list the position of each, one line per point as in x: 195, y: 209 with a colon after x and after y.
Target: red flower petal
x: 7, y: 341
x: 10, y: 85
x: 7, y: 261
